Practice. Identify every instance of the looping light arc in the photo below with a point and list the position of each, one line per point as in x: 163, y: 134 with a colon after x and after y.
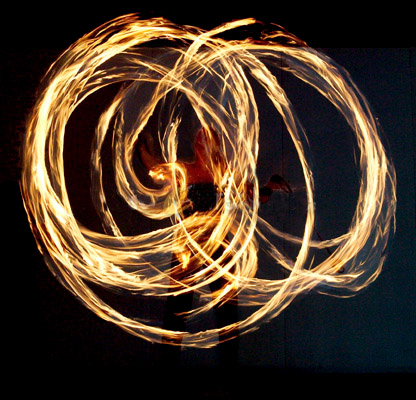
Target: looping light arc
x: 214, y: 76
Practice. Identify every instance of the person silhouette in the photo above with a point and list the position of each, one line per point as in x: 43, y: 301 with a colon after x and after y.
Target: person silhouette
x: 202, y: 196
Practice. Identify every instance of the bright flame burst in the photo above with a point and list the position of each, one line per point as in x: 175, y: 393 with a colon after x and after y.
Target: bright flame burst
x: 141, y: 264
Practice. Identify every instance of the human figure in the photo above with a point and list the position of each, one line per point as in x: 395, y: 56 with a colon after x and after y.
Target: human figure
x: 202, y: 197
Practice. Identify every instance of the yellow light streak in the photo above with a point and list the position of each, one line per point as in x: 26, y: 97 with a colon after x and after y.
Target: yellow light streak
x: 77, y: 255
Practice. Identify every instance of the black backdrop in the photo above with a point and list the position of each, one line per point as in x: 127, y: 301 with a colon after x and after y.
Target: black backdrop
x: 373, y: 332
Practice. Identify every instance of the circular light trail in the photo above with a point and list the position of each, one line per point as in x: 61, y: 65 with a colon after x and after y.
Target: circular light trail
x: 213, y: 75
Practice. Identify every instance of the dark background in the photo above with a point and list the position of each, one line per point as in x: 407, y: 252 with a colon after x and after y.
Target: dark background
x: 374, y: 332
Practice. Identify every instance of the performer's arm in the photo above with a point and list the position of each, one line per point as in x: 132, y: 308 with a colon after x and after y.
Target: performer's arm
x: 147, y: 152
x: 276, y: 183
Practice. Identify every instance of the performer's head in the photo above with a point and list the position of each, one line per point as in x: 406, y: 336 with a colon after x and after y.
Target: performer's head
x: 207, y: 146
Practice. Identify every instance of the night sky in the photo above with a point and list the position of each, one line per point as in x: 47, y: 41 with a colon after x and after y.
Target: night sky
x: 374, y: 332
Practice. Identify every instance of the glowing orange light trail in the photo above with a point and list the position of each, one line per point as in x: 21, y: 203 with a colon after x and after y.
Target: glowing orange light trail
x: 77, y: 255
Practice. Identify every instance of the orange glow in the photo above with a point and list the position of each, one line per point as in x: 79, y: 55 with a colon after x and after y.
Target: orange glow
x: 77, y: 255
x: 185, y: 259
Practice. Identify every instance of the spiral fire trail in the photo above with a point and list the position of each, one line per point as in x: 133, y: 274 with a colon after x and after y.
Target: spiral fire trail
x: 212, y: 74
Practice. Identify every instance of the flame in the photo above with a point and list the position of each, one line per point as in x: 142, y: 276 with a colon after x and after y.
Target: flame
x: 113, y: 53
x: 185, y: 259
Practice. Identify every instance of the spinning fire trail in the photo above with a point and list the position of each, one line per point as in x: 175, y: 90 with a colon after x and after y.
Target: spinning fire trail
x: 213, y: 75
